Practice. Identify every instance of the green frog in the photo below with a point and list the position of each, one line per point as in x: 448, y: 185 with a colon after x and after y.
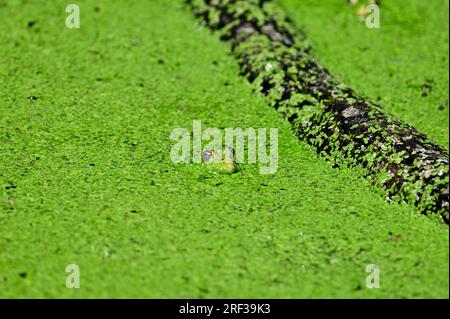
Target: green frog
x: 220, y: 159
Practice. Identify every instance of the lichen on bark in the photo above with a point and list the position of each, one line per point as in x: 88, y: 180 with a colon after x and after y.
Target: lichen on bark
x: 342, y: 126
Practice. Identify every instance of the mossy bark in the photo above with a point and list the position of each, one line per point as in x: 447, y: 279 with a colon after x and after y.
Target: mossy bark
x: 344, y: 127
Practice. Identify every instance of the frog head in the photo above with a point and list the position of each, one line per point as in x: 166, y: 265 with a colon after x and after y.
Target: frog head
x: 220, y: 159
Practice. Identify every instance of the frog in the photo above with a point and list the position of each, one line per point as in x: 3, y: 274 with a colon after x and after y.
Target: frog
x: 220, y: 160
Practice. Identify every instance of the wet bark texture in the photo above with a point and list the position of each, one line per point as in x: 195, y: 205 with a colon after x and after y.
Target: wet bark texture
x: 345, y: 128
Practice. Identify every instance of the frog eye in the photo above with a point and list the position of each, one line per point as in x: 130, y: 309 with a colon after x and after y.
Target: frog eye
x: 229, y: 151
x: 207, y: 156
